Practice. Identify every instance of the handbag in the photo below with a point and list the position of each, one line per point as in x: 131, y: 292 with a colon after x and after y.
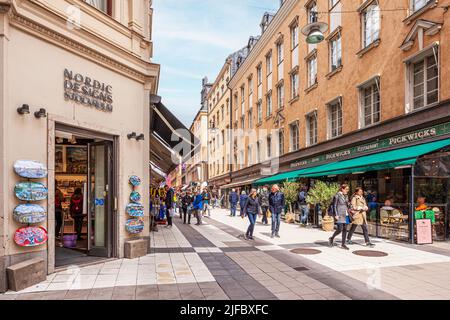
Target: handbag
x: 269, y: 214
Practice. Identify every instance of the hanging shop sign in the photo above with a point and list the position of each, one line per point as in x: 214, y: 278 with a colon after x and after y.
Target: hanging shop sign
x: 419, y: 135
x: 87, y: 91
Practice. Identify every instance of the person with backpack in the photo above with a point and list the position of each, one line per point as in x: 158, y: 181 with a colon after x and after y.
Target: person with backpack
x: 303, y: 206
x: 341, y: 211
x: 76, y: 211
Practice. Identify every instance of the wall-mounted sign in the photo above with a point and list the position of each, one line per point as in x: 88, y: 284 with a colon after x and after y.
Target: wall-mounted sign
x: 87, y: 91
x: 415, y: 136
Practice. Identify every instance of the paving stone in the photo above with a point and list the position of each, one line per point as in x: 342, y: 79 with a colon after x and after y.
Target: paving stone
x: 30, y: 296
x: 77, y: 295
x: 124, y: 293
x: 101, y: 294
x: 147, y: 292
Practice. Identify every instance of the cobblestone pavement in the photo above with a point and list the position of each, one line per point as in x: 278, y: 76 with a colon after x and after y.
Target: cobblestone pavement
x: 214, y: 262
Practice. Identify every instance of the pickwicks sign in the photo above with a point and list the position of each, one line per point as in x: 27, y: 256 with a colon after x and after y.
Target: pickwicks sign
x: 87, y: 91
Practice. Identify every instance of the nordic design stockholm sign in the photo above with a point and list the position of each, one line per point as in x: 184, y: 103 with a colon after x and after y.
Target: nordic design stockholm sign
x: 87, y: 91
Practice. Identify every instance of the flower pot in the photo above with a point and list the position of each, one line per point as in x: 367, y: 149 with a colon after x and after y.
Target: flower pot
x: 328, y: 223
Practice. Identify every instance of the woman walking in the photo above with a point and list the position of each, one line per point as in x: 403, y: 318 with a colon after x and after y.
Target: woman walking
x: 198, y: 207
x: 359, y: 213
x: 341, y: 209
x: 242, y: 200
x: 186, y: 202
x: 251, y: 209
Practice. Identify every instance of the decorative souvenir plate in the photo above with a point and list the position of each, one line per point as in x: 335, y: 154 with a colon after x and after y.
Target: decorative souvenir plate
x: 31, y: 191
x: 30, y: 236
x: 29, y: 214
x: 134, y: 226
x: 135, y: 210
x: 135, y: 181
x: 135, y: 196
x: 30, y: 169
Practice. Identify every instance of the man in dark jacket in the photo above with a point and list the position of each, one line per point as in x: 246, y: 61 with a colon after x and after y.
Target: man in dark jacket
x: 169, y: 205
x: 302, y: 205
x: 234, y: 199
x: 276, y: 205
x: 264, y: 202
x: 186, y: 202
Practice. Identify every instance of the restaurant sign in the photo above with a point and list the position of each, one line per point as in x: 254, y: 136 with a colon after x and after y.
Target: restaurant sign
x: 419, y: 135
x: 87, y: 91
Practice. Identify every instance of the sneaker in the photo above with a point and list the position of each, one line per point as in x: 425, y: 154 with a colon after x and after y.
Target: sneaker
x: 370, y: 245
x: 245, y: 237
x: 345, y: 247
x: 250, y: 238
x: 277, y: 235
x: 272, y: 236
x: 330, y: 243
x: 350, y: 242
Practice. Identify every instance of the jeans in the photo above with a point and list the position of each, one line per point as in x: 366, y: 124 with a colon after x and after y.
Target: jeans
x: 264, y: 212
x: 364, y: 229
x: 206, y: 207
x: 78, y: 225
x: 251, y: 227
x: 341, y: 227
x: 304, y: 209
x: 186, y: 214
x: 59, y: 221
x: 198, y: 215
x: 276, y: 220
x: 233, y: 209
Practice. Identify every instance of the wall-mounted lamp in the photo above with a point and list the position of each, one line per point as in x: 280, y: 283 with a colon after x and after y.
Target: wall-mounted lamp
x: 131, y: 135
x: 24, y: 109
x: 42, y: 113
x: 140, y: 137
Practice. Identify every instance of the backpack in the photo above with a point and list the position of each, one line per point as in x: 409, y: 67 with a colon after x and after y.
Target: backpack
x: 76, y: 207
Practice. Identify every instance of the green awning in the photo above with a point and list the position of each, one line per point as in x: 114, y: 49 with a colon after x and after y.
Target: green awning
x: 374, y: 162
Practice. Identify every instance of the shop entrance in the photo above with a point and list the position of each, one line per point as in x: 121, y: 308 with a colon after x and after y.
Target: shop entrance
x: 84, y: 193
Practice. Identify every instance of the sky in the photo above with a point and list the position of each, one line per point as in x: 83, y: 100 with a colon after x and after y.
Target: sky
x: 192, y: 39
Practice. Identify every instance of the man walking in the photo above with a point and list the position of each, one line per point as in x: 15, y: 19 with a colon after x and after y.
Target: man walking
x: 276, y: 205
x: 264, y: 202
x: 303, y: 206
x: 206, y: 202
x: 169, y: 205
x: 234, y: 199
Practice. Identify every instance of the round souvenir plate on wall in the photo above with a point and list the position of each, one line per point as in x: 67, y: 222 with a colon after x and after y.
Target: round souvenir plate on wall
x: 30, y: 169
x: 30, y: 236
x: 135, y: 196
x: 135, y: 181
x: 30, y: 191
x: 134, y: 226
x: 135, y: 210
x: 29, y: 214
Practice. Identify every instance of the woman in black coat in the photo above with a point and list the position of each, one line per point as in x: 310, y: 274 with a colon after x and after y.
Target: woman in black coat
x: 251, y: 209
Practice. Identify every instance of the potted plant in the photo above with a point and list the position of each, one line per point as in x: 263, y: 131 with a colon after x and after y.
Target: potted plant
x: 290, y: 190
x: 322, y: 195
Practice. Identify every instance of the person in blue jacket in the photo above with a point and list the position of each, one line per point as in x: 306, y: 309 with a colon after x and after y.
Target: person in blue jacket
x: 234, y: 199
x: 251, y: 210
x: 276, y: 204
x: 242, y: 200
x: 198, y: 207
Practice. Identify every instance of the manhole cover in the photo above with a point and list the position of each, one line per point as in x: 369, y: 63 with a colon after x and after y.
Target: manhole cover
x: 304, y: 251
x: 301, y: 269
x: 369, y: 253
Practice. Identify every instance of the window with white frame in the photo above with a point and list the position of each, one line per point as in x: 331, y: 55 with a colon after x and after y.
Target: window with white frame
x: 312, y: 70
x: 242, y: 159
x: 269, y: 147
x: 250, y: 92
x: 280, y: 96
x: 223, y: 111
x: 294, y: 134
x: 280, y: 56
x: 336, y: 52
x: 242, y: 100
x: 260, y: 112
x: 371, y: 24
x: 102, y: 5
x: 259, y: 79
x: 294, y: 45
x: 370, y: 103
x: 250, y: 119
x: 269, y: 71
x: 281, y: 142
x: 312, y: 12
x: 243, y: 122
x: 269, y: 105
x: 258, y: 152
x: 294, y: 85
x: 250, y: 155
x: 335, y: 118
x: 416, y: 5
x: 425, y: 80
x: 333, y: 3
x: 311, y: 129
x: 223, y: 137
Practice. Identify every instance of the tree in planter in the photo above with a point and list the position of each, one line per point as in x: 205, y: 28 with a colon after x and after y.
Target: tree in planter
x: 290, y: 190
x: 322, y: 194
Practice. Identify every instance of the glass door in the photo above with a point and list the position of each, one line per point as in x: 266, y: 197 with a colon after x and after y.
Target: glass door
x: 99, y: 199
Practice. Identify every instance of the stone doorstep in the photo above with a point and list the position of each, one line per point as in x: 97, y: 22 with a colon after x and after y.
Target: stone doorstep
x: 26, y: 274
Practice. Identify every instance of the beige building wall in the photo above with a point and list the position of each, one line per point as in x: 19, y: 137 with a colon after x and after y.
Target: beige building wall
x: 384, y: 59
x: 36, y: 45
x: 219, y: 102
x: 197, y: 165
